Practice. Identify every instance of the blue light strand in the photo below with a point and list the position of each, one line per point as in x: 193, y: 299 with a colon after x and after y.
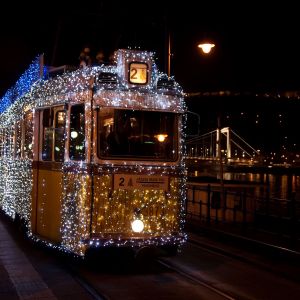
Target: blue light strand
x: 22, y: 86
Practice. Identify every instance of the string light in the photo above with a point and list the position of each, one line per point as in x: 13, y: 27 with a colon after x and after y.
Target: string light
x: 162, y: 212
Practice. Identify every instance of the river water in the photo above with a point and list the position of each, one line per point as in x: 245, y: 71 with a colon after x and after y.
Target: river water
x: 278, y: 186
x: 281, y: 186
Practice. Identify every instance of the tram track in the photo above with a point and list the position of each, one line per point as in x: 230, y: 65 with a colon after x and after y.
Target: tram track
x: 197, y: 280
x: 105, y: 283
x: 93, y: 281
x: 264, y: 260
x: 86, y: 285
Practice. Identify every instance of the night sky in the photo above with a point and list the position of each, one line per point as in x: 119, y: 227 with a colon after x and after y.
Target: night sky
x: 257, y: 51
x: 257, y: 46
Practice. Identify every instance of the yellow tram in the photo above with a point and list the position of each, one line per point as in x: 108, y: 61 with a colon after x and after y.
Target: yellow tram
x: 94, y: 157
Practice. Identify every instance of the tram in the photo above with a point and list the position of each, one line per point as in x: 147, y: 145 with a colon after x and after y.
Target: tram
x: 93, y: 157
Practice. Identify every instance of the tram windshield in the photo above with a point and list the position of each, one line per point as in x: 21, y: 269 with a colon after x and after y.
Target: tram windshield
x: 150, y: 135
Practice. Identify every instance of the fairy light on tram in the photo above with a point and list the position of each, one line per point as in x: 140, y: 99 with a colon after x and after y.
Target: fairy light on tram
x: 95, y: 155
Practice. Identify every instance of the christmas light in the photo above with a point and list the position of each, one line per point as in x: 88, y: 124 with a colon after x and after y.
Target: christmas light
x: 103, y: 217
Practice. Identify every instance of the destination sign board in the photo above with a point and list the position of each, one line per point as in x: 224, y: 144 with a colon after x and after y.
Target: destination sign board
x: 130, y: 182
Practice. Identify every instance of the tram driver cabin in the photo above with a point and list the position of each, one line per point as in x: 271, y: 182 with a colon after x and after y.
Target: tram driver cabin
x: 94, y: 157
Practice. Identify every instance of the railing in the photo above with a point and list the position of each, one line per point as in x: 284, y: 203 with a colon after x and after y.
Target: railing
x: 244, y: 213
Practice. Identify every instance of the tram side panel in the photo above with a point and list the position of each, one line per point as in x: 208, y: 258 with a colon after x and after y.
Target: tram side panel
x: 48, y: 206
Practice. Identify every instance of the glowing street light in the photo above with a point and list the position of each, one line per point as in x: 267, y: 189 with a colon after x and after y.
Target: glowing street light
x: 206, y: 47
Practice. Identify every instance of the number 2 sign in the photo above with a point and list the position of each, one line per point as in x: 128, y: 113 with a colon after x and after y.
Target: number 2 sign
x: 138, y: 73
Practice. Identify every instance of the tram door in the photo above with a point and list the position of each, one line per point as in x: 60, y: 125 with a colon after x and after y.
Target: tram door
x: 49, y: 172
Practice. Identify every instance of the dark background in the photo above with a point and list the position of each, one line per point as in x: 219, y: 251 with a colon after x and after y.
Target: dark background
x: 257, y: 52
x: 257, y: 45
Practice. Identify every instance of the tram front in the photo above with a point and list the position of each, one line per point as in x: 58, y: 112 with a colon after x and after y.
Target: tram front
x: 138, y: 175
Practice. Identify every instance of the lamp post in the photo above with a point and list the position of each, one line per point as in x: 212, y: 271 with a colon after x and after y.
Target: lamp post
x: 206, y: 48
x: 169, y: 55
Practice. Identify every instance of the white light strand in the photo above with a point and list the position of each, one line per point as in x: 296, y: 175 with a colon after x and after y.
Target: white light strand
x: 16, y: 182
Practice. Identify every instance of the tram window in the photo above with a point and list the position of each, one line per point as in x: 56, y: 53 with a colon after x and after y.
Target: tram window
x: 47, y: 134
x: 77, y: 133
x: 59, y: 147
x: 53, y: 147
x: 137, y: 134
x: 28, y: 132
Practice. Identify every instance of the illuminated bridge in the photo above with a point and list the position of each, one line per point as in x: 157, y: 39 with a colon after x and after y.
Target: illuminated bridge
x: 222, y: 143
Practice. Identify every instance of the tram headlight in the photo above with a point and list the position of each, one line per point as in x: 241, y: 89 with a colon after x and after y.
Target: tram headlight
x: 137, y: 225
x: 74, y: 134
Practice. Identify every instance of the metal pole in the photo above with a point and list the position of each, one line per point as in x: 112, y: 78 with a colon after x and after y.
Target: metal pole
x: 169, y: 54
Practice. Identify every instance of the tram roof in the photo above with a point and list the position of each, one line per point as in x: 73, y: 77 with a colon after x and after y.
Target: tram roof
x: 46, y: 85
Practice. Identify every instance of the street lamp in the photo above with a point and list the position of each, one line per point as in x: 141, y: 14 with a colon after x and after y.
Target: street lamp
x: 206, y: 47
